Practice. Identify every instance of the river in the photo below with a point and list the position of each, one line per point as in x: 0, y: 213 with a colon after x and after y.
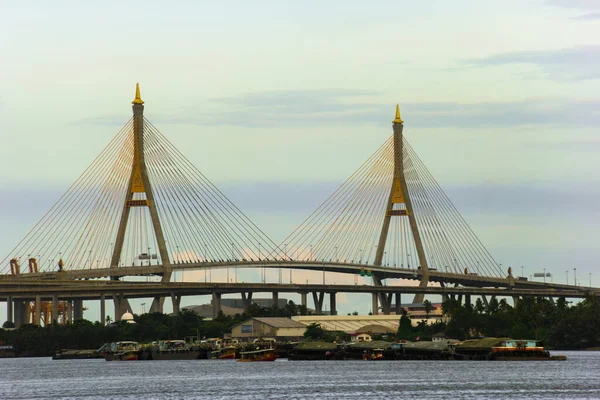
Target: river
x: 43, y: 378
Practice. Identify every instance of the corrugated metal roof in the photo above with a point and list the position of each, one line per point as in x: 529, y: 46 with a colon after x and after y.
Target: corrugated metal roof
x: 280, y: 322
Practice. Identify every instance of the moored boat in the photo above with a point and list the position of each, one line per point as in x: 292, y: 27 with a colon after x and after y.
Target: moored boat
x: 122, y: 351
x: 223, y: 353
x: 169, y: 350
x: 258, y: 355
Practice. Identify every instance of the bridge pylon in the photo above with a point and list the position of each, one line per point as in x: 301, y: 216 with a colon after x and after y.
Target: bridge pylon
x: 399, y: 205
x: 139, y: 194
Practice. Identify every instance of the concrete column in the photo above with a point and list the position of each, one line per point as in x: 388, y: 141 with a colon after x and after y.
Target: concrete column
x: 247, y: 299
x: 332, y: 305
x: 216, y: 304
x: 117, y: 303
x: 318, y: 300
x: 102, y: 310
x: 276, y: 299
x: 467, y: 300
x: 38, y: 310
x: 398, y: 303
x: 157, y: 304
x: 375, y: 304
x: 386, y: 304
x: 176, y: 301
x: 54, y: 309
x: 445, y: 298
x: 460, y: 298
x: 70, y: 311
x: 303, y: 299
x: 515, y: 301
x: 9, y: 309
x: 17, y: 315
x: 77, y: 309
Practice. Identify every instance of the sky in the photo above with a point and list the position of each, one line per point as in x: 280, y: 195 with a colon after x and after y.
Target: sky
x: 278, y: 102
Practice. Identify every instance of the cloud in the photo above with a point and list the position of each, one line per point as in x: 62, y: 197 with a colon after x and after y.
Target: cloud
x: 103, y: 120
x: 588, y: 17
x: 574, y: 63
x: 571, y: 145
x: 578, y: 4
x: 337, y: 107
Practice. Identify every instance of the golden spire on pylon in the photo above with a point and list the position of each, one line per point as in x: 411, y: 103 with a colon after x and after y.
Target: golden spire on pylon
x: 138, y: 99
x: 397, y: 120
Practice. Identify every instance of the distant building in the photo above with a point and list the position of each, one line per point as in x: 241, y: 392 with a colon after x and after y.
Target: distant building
x: 372, y: 324
x: 283, y: 329
x: 438, y: 337
x: 360, y: 337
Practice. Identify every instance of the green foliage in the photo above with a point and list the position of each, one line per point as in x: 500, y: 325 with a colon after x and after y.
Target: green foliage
x: 554, y: 323
x: 314, y: 331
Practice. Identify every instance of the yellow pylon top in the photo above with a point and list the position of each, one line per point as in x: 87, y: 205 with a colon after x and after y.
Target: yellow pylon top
x: 397, y: 120
x: 138, y: 99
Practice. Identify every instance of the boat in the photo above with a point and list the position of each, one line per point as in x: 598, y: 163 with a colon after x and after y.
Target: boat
x: 223, y: 353
x: 169, y: 350
x: 122, y: 351
x: 258, y: 355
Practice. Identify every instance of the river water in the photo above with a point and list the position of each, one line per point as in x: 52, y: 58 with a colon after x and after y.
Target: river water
x: 43, y: 378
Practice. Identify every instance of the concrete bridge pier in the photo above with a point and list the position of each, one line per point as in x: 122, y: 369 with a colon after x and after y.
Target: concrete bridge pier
x: 318, y: 300
x: 77, y: 309
x: 9, y: 309
x: 17, y: 313
x: 247, y: 299
x: 38, y: 310
x: 398, y: 303
x: 70, y: 312
x: 303, y: 299
x: 102, y: 310
x: 54, y: 309
x: 276, y: 299
x: 216, y: 304
x: 176, y: 302
x: 467, y: 300
x: 332, y: 305
x: 375, y: 303
x: 386, y: 304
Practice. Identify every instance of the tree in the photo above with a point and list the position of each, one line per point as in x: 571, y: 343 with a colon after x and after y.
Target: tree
x: 428, y: 307
x: 314, y: 331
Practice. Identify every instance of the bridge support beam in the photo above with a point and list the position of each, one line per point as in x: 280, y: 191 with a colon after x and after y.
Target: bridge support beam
x: 38, y: 310
x: 398, y: 303
x: 17, y: 313
x: 9, y: 309
x: 121, y: 306
x: 176, y: 300
x: 70, y: 311
x: 386, y: 305
x: 247, y: 299
x: 303, y: 299
x: 77, y: 309
x: 54, y: 309
x: 276, y: 299
x: 102, y: 310
x: 375, y: 304
x: 318, y: 300
x: 157, y: 304
x: 332, y: 305
x: 467, y: 300
x: 216, y: 304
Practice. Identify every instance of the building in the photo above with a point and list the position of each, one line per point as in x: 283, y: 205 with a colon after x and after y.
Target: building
x: 281, y: 329
x: 373, y: 324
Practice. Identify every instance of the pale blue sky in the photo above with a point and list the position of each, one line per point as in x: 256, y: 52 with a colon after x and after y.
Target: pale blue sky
x: 278, y: 102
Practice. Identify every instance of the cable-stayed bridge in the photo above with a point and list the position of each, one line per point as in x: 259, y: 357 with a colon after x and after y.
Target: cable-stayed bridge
x: 141, y: 208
